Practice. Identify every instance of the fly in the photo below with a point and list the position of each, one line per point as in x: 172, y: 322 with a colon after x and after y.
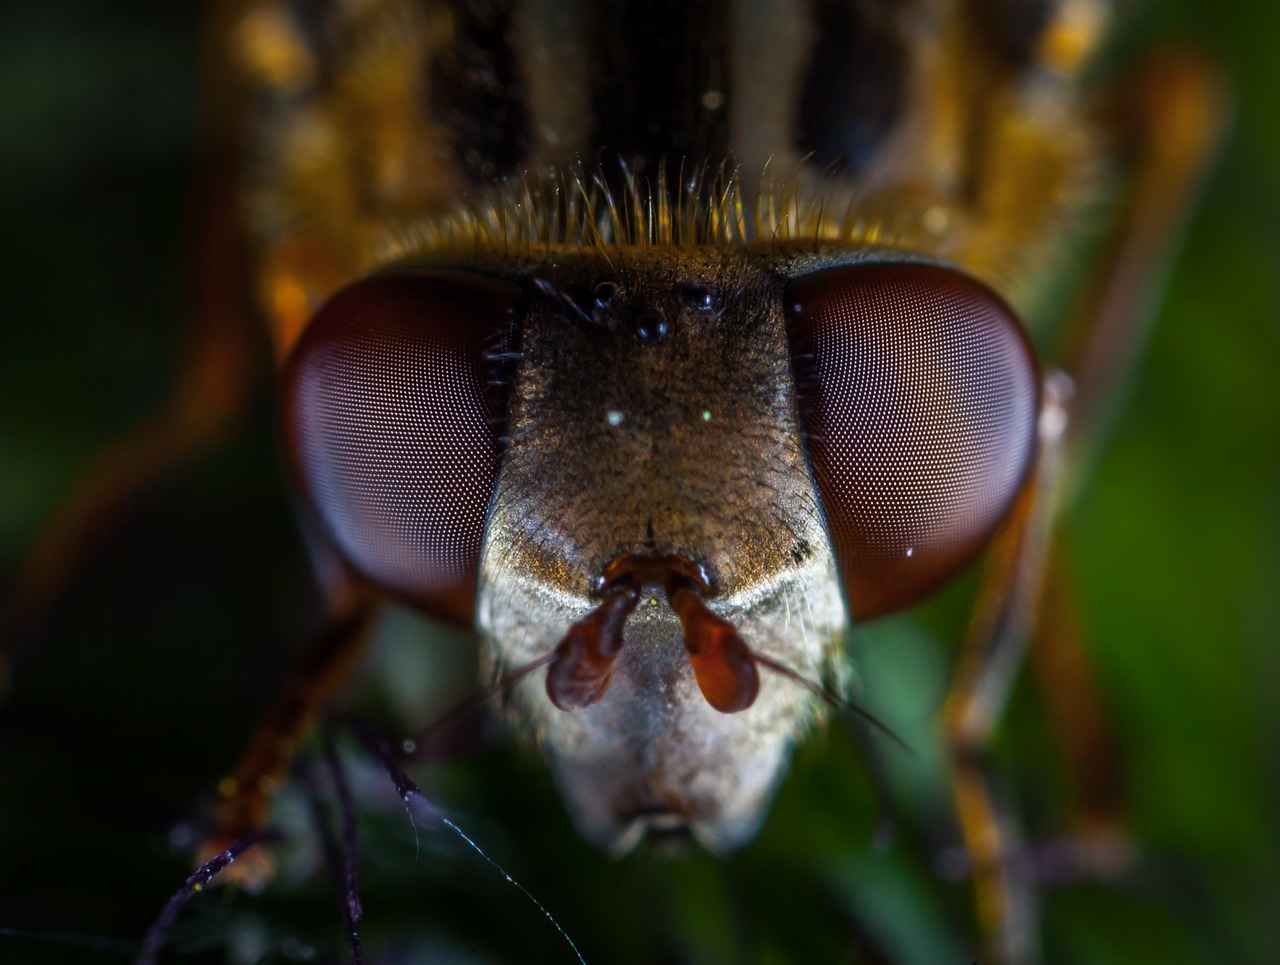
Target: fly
x: 664, y: 342
x: 636, y: 322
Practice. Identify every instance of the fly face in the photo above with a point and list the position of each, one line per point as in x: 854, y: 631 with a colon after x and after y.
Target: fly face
x: 659, y: 424
x: 663, y: 474
x: 698, y: 468
x: 648, y: 517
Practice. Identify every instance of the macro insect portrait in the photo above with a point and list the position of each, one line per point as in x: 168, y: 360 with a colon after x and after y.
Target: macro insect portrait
x: 566, y: 480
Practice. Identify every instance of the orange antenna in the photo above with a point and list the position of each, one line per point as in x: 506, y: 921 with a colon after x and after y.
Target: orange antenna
x: 723, y: 664
x: 582, y: 665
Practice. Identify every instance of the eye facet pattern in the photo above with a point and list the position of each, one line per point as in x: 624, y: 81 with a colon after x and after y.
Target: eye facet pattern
x: 393, y: 424
x: 919, y: 394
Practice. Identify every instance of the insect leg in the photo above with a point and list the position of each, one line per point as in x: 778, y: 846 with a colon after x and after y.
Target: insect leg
x: 323, y: 666
x: 1169, y: 121
x: 1082, y: 731
x: 158, y: 933
x: 340, y: 856
x: 994, y: 646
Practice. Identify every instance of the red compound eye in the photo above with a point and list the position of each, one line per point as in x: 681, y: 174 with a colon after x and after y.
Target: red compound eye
x: 919, y: 393
x: 393, y: 427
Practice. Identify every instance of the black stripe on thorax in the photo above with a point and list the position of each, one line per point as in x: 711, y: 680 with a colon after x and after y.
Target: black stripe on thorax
x: 854, y: 86
x: 659, y: 81
x: 476, y: 92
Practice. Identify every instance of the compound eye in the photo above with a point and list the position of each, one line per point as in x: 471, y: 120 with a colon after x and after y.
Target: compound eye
x: 919, y: 394
x: 393, y: 424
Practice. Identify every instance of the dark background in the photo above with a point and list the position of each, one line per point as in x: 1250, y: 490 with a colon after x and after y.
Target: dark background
x: 156, y: 663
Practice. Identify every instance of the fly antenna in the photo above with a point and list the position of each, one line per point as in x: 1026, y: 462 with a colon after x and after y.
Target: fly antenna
x: 341, y: 857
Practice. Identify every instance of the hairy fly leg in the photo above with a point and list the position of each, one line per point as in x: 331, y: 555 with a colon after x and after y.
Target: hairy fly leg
x: 1168, y: 122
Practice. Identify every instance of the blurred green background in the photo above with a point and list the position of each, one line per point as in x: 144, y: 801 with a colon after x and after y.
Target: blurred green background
x: 176, y: 630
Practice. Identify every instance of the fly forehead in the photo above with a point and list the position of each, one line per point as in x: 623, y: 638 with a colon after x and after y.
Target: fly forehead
x: 722, y: 335
x: 692, y: 445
